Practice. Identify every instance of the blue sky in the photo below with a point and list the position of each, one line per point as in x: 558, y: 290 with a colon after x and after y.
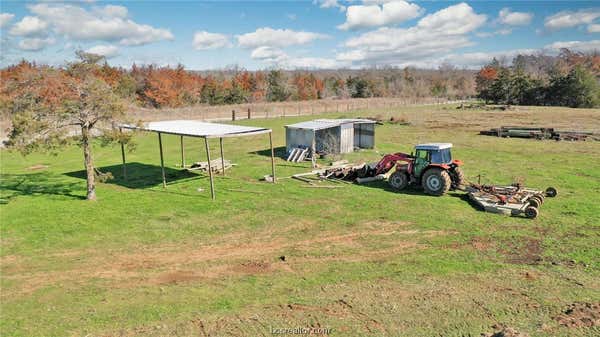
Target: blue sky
x: 295, y: 34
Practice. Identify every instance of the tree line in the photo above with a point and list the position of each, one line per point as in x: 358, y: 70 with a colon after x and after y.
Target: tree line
x: 569, y: 79
x: 157, y: 87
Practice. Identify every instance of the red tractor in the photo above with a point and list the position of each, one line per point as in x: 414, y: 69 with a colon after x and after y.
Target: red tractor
x: 431, y: 166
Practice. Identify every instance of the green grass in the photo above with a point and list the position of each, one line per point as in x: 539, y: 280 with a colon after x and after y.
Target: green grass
x: 144, y: 260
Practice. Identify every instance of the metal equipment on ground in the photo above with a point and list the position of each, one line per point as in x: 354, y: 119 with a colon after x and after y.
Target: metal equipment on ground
x: 510, y: 200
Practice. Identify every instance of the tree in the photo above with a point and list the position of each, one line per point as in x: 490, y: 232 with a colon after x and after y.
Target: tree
x: 51, y: 105
x: 358, y: 87
x: 484, y: 80
x: 499, y: 91
x: 276, y: 91
x: 578, y: 89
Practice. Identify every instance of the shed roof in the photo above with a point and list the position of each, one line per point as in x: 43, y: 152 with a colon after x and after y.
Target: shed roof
x: 198, y: 129
x: 319, y: 124
x: 433, y: 146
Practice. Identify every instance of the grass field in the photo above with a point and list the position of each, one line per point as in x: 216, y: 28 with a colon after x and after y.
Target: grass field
x: 359, y: 260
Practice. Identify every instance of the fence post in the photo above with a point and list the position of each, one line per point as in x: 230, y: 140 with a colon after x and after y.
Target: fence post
x: 233, y: 115
x: 249, y: 113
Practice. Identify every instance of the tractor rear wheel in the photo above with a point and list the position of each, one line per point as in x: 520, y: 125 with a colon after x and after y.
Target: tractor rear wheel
x: 398, y: 180
x: 436, y: 181
x: 458, y: 177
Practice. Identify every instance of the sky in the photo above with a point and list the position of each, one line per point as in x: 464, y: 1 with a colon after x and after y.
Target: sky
x: 311, y: 34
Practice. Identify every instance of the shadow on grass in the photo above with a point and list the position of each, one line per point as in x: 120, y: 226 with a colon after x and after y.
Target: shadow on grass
x: 414, y: 190
x: 383, y: 185
x: 279, y: 152
x: 139, y: 175
x: 465, y: 197
x: 13, y: 185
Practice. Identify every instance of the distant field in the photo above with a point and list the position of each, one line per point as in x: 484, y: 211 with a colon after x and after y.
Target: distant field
x: 359, y: 260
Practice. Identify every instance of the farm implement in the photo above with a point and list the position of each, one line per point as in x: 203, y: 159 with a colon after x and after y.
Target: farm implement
x: 510, y: 200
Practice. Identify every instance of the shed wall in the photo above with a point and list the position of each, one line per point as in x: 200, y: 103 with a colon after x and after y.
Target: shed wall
x: 297, y: 137
x: 328, y: 140
x: 346, y: 138
x: 364, y: 135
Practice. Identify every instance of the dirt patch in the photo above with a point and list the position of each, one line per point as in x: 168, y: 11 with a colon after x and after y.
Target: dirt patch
x: 579, y: 315
x: 526, y: 251
x: 505, y: 332
x: 175, y: 277
x: 244, y: 255
x: 482, y: 244
x: 253, y: 267
x: 340, y: 309
x: 37, y: 167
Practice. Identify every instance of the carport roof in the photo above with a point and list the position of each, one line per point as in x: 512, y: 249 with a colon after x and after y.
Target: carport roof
x: 319, y: 124
x: 193, y: 128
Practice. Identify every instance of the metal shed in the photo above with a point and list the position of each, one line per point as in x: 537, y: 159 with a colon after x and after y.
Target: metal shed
x: 331, y: 135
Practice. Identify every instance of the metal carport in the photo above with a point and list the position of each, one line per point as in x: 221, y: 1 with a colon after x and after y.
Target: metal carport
x: 191, y: 128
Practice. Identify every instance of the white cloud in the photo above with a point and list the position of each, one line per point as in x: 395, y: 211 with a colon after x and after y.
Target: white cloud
x: 205, y: 41
x: 277, y: 38
x: 108, y: 23
x: 35, y: 44
x: 456, y: 19
x: 514, y: 18
x: 374, y: 15
x: 5, y: 18
x: 330, y: 4
x: 30, y: 26
x: 311, y: 63
x: 476, y: 60
x: 107, y: 51
x: 568, y: 19
x: 112, y: 11
x: 277, y: 57
x: 594, y: 28
x: 584, y: 46
x: 269, y: 54
x: 434, y: 35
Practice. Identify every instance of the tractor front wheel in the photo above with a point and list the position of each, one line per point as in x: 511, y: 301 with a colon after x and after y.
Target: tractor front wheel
x: 398, y: 180
x: 436, y: 181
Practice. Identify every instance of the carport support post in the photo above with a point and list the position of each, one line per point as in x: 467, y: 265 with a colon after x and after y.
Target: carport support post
x: 123, y: 155
x: 272, y: 156
x: 162, y: 161
x: 182, y: 153
x: 313, y: 149
x: 222, y: 157
x: 210, y: 175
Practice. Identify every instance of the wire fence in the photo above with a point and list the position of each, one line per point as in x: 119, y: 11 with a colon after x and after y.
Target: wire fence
x: 279, y: 109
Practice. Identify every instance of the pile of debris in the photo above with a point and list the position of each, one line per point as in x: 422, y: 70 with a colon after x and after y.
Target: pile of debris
x: 339, y: 172
x: 539, y: 133
x: 510, y: 200
x: 216, y: 165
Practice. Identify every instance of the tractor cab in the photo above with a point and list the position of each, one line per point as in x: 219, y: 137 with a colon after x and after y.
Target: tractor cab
x: 434, y: 153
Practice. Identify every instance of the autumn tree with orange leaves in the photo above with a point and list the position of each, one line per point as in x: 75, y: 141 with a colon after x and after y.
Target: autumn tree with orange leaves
x: 49, y: 106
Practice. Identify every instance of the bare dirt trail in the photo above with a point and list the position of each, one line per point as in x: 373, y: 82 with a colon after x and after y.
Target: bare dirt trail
x: 236, y: 254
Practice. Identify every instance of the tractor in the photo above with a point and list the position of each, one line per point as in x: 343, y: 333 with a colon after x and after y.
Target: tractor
x: 431, y: 166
